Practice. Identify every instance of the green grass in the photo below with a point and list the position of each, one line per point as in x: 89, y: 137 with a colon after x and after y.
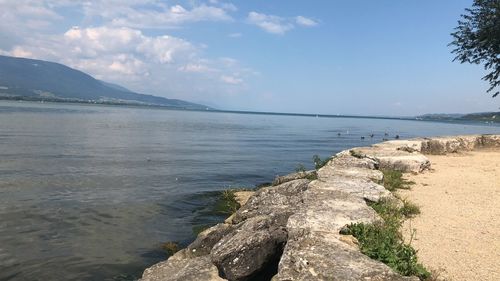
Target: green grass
x: 390, y: 209
x: 226, y: 204
x: 394, y: 180
x: 409, y: 209
x: 382, y: 241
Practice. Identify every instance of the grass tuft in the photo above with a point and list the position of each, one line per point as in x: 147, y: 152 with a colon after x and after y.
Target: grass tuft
x: 394, y: 180
x: 319, y: 163
x: 226, y: 203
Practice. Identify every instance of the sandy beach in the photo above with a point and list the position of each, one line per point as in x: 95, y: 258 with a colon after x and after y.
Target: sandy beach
x: 458, y: 230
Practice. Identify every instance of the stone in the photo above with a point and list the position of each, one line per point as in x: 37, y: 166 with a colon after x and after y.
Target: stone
x: 178, y: 267
x: 333, y: 171
x: 311, y: 255
x: 294, y: 176
x: 389, y: 157
x: 329, y: 211
x: 208, y: 238
x: 359, y: 187
x: 248, y: 250
x: 346, y: 160
x: 242, y: 196
x: 280, y: 199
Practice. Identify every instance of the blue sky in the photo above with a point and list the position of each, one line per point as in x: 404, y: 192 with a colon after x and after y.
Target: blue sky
x: 333, y: 57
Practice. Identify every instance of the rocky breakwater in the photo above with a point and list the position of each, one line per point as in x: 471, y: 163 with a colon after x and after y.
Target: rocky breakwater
x: 291, y: 230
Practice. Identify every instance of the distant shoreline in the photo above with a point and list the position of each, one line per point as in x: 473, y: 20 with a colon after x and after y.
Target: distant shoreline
x: 152, y: 106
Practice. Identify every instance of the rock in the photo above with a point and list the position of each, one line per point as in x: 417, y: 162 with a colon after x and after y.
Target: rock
x: 329, y: 211
x: 208, y: 238
x: 349, y: 240
x: 333, y: 171
x: 294, y: 176
x: 178, y: 267
x: 405, y: 163
x: 488, y: 141
x: 359, y: 187
x: 242, y: 196
x: 280, y: 199
x: 322, y: 256
x: 248, y: 250
x: 344, y: 159
x: 389, y: 157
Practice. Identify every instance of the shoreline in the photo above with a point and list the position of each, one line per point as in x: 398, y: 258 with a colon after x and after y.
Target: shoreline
x: 292, y: 231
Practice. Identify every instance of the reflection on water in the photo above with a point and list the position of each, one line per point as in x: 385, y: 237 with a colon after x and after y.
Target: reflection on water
x: 90, y: 192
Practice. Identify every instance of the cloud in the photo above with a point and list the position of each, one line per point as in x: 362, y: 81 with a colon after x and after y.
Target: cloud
x: 231, y: 80
x: 270, y: 23
x: 300, y: 20
x: 235, y: 35
x: 153, y: 14
x: 196, y: 68
x: 278, y: 25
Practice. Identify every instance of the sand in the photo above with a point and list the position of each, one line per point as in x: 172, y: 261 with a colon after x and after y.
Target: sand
x: 458, y: 230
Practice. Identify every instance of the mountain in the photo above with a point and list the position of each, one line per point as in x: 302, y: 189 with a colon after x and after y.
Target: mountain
x: 30, y: 79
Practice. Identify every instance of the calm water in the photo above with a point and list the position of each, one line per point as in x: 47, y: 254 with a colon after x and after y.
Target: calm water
x: 90, y: 192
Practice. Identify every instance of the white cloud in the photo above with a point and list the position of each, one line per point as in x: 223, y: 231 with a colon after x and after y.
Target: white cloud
x: 270, y: 23
x: 278, y: 25
x: 158, y: 15
x: 235, y: 35
x: 305, y: 21
x: 231, y: 79
x: 196, y: 68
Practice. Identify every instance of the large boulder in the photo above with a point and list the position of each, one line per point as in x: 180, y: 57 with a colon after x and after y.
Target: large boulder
x: 248, y: 250
x: 316, y: 255
x: 208, y: 238
x: 356, y: 186
x: 282, y: 199
x: 329, y: 211
x: 181, y: 267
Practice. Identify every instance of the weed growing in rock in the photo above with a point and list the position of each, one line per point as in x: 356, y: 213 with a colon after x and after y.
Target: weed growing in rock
x: 170, y: 247
x: 300, y: 168
x: 318, y: 163
x: 226, y: 203
x: 394, y: 180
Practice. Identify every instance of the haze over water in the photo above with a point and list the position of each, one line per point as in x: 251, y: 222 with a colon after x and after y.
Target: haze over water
x: 90, y: 192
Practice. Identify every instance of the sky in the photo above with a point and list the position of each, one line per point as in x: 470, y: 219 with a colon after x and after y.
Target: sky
x: 363, y: 57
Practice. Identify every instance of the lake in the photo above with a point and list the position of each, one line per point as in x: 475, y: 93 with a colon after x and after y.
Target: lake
x: 91, y: 192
